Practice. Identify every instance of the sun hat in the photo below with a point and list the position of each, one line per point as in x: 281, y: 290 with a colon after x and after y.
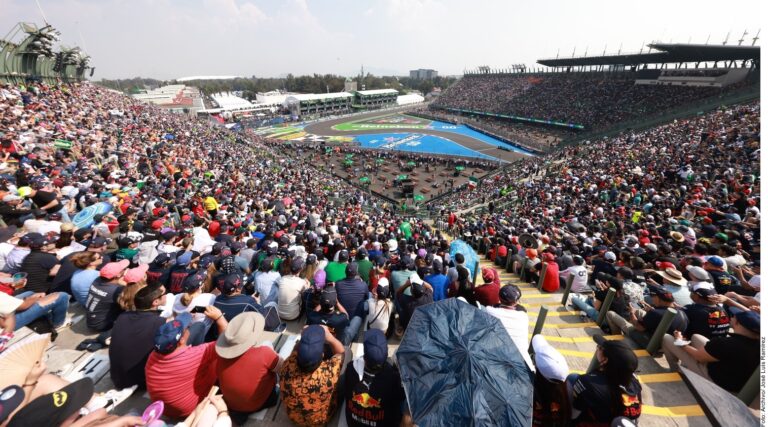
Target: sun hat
x: 673, y: 276
x: 242, y: 333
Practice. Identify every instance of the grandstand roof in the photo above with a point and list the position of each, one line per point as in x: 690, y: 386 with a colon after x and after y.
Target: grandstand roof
x: 377, y: 91
x: 669, y: 53
x: 313, y: 96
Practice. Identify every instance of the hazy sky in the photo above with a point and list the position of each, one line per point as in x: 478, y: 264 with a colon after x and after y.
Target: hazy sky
x: 174, y: 38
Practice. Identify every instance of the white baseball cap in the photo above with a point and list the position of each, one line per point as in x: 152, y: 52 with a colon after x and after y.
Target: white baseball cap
x: 550, y: 363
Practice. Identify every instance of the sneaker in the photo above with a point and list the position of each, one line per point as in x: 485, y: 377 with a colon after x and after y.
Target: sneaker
x: 67, y: 323
x: 110, y: 399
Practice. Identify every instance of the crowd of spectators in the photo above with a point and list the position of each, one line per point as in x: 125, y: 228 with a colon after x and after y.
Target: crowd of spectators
x: 211, y: 239
x: 594, y: 100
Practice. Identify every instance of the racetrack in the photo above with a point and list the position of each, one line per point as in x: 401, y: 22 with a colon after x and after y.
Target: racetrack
x: 325, y: 128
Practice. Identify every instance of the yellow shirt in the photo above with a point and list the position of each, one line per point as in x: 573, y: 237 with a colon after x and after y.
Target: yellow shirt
x: 210, y: 203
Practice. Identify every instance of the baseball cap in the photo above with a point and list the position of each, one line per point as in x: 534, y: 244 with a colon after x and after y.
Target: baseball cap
x: 54, y: 408
x: 392, y: 245
x: 716, y: 261
x: 510, y: 294
x: 660, y: 292
x: 232, y: 282
x: 328, y: 298
x: 135, y: 274
x: 351, y: 270
x: 375, y: 347
x: 417, y: 285
x: 698, y: 273
x: 310, y: 352
x: 343, y: 256
x: 184, y: 259
x: 10, y: 399
x: 488, y: 274
x: 113, y: 269
x: 168, y: 335
x: 704, y: 291
x: 9, y: 304
x: 297, y: 264
x: 97, y: 242
x: 193, y: 282
x: 242, y: 333
x: 610, y: 256
x: 161, y: 259
x: 617, y: 352
x: 750, y: 320
x: 549, y: 362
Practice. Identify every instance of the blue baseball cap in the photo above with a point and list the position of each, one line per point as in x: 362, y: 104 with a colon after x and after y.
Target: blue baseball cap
x: 750, y: 320
x: 311, y: 346
x: 375, y: 347
x: 193, y: 282
x: 510, y: 294
x: 168, y: 335
x: 184, y: 259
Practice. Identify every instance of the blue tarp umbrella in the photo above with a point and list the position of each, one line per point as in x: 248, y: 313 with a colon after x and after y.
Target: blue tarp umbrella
x: 459, y: 367
x: 470, y: 256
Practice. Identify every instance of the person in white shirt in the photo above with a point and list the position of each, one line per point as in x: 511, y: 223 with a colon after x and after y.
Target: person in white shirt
x: 580, y: 275
x: 289, y: 291
x: 514, y: 318
x: 192, y: 297
x: 380, y: 308
x: 40, y: 224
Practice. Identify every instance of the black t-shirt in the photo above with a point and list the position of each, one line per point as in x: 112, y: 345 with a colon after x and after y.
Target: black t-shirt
x: 38, y: 266
x: 592, y: 396
x: 708, y: 321
x: 375, y: 400
x: 232, y: 305
x: 64, y: 275
x: 102, y: 305
x: 336, y: 321
x: 408, y: 305
x: 133, y: 339
x: 724, y: 282
x: 157, y: 275
x: 42, y: 198
x: 737, y: 356
x: 653, y: 317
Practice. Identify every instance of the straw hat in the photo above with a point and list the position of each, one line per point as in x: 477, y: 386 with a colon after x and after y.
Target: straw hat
x: 673, y: 276
x: 242, y: 333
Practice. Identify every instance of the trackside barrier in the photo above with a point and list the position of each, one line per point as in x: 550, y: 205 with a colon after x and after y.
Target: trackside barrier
x: 542, y: 275
x: 751, y: 389
x: 543, y: 311
x: 658, y: 335
x: 568, y: 284
x: 606, y: 305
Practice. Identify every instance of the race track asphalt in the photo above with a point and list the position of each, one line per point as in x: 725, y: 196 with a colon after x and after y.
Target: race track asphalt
x: 325, y: 128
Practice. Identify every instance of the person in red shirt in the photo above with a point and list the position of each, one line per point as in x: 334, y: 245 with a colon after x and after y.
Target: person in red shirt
x: 552, y: 274
x: 487, y: 294
x: 247, y: 374
x: 179, y: 374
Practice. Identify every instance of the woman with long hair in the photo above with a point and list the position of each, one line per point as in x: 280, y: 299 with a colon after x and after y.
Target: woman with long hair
x: 87, y: 264
x: 609, y: 392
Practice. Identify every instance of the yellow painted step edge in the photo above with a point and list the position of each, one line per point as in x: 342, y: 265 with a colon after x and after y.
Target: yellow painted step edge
x: 669, y: 377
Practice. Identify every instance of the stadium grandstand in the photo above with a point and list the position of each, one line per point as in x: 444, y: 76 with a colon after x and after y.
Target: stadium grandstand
x: 318, y: 104
x: 376, y: 98
x: 575, y: 95
x: 175, y: 98
x: 27, y: 53
x: 202, y: 275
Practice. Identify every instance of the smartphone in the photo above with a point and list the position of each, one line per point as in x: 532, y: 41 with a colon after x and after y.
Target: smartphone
x: 635, y: 305
x: 198, y: 309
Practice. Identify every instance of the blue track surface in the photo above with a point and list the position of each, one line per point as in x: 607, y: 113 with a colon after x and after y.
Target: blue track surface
x: 419, y: 143
x: 464, y: 130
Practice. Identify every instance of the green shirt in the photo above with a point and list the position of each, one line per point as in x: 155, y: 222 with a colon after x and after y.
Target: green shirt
x: 405, y: 227
x: 335, y: 271
x: 364, y: 268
